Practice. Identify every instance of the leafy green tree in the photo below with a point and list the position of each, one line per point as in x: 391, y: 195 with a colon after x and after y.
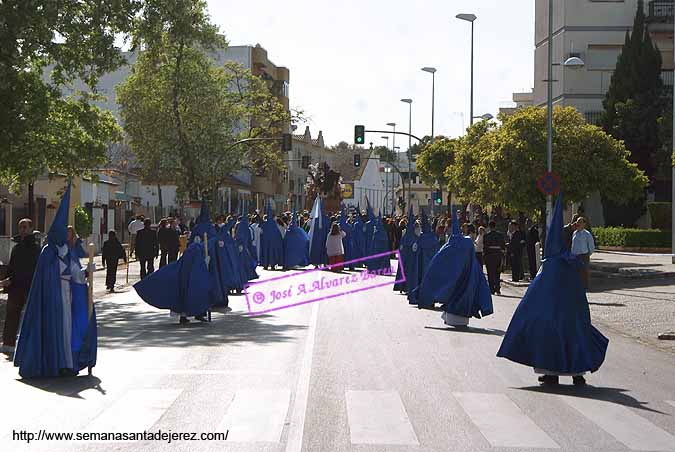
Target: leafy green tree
x: 634, y: 102
x: 507, y: 160
x: 75, y: 39
x: 183, y: 115
x: 434, y: 159
x: 83, y: 222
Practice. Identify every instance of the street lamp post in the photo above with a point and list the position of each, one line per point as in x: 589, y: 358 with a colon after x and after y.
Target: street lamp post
x: 386, y: 178
x: 470, y: 18
x: 432, y: 71
x: 409, y: 102
x: 672, y: 227
x: 393, y: 148
x: 574, y: 63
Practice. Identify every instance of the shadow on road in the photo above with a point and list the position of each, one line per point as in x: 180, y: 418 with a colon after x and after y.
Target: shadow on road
x: 66, y: 386
x: 603, y: 284
x: 122, y: 325
x: 610, y: 305
x: 612, y: 395
x: 468, y: 329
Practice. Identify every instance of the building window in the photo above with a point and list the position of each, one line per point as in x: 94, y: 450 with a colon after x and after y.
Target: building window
x: 305, y: 161
x: 593, y: 117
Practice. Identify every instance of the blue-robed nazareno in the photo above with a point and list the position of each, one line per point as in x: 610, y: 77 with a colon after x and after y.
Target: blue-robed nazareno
x: 203, y: 224
x: 369, y: 228
x: 359, y: 237
x: 551, y: 328
x: 408, y: 264
x: 348, y: 239
x: 271, y: 243
x: 427, y: 247
x: 455, y: 279
x: 57, y: 335
x: 245, y: 251
x: 318, y: 233
x: 227, y: 258
x: 296, y: 245
x: 379, y: 243
x: 186, y: 286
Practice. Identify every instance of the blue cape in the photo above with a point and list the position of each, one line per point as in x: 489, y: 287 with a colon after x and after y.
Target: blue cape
x: 203, y: 224
x: 40, y: 351
x: 455, y: 279
x: 379, y: 243
x: 348, y: 240
x: 359, y: 237
x: 318, y: 233
x: 408, y: 265
x: 296, y: 245
x: 227, y: 258
x: 551, y: 328
x: 246, y: 253
x: 428, y: 246
x: 271, y: 243
x: 185, y: 286
x: 369, y: 230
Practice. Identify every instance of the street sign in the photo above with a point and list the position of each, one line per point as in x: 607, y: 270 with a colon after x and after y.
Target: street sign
x: 549, y: 183
x: 348, y: 191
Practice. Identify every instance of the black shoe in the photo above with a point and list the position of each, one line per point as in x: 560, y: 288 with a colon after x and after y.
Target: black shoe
x: 498, y: 292
x: 201, y: 318
x: 549, y: 379
x: 184, y: 320
x: 579, y: 380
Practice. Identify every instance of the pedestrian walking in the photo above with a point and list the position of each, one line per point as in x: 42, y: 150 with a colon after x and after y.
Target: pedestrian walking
x: 493, y: 250
x: 516, y: 246
x: 478, y: 244
x: 147, y: 248
x: 20, y: 270
x: 111, y: 254
x: 334, y: 247
x: 532, y: 239
x: 583, y: 246
x: 134, y: 226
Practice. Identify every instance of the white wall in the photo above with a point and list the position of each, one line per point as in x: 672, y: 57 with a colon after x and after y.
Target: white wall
x: 149, y: 196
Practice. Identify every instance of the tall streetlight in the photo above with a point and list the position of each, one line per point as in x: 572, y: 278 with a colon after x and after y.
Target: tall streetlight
x: 673, y: 183
x: 573, y: 63
x: 470, y: 18
x: 386, y: 179
x: 409, y: 102
x: 393, y: 148
x: 432, y: 71
x: 485, y: 117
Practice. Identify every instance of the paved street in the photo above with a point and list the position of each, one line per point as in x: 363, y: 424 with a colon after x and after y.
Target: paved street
x: 363, y: 372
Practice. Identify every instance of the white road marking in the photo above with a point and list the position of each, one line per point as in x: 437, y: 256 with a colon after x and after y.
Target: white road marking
x: 502, y: 423
x: 378, y: 417
x: 634, y: 431
x: 135, y: 411
x: 296, y: 427
x: 256, y: 416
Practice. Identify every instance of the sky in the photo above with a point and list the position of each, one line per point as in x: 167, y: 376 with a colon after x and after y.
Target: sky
x: 351, y: 61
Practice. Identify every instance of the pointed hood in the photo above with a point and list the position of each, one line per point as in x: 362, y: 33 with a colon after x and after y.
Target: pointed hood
x: 369, y: 210
x: 554, y: 240
x: 58, y: 231
x: 294, y: 220
x: 204, y: 215
x: 455, y: 223
x: 270, y: 213
x: 358, y: 208
x: 426, y: 227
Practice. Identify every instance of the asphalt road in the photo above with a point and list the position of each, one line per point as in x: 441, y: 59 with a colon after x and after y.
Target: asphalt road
x: 362, y: 372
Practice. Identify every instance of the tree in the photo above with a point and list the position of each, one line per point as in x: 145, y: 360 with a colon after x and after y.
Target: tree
x: 634, y: 102
x: 183, y: 115
x: 507, y: 160
x: 76, y: 39
x: 416, y: 148
x: 434, y: 159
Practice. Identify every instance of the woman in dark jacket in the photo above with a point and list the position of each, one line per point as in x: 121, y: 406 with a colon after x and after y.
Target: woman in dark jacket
x: 112, y: 252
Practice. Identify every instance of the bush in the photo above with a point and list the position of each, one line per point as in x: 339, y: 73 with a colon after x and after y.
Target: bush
x: 661, y: 214
x: 638, y: 238
x: 82, y: 222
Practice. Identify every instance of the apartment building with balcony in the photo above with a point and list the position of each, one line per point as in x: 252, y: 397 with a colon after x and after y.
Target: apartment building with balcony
x: 593, y: 30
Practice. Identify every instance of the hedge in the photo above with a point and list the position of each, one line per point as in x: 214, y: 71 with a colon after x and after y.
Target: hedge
x: 639, y: 238
x: 661, y: 214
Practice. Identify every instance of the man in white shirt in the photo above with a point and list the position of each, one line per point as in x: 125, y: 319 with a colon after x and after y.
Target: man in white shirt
x: 583, y: 246
x: 135, y: 226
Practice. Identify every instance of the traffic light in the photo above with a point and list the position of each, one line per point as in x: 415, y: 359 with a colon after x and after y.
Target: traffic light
x: 286, y: 142
x: 359, y: 134
x: 357, y: 160
x: 438, y: 198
